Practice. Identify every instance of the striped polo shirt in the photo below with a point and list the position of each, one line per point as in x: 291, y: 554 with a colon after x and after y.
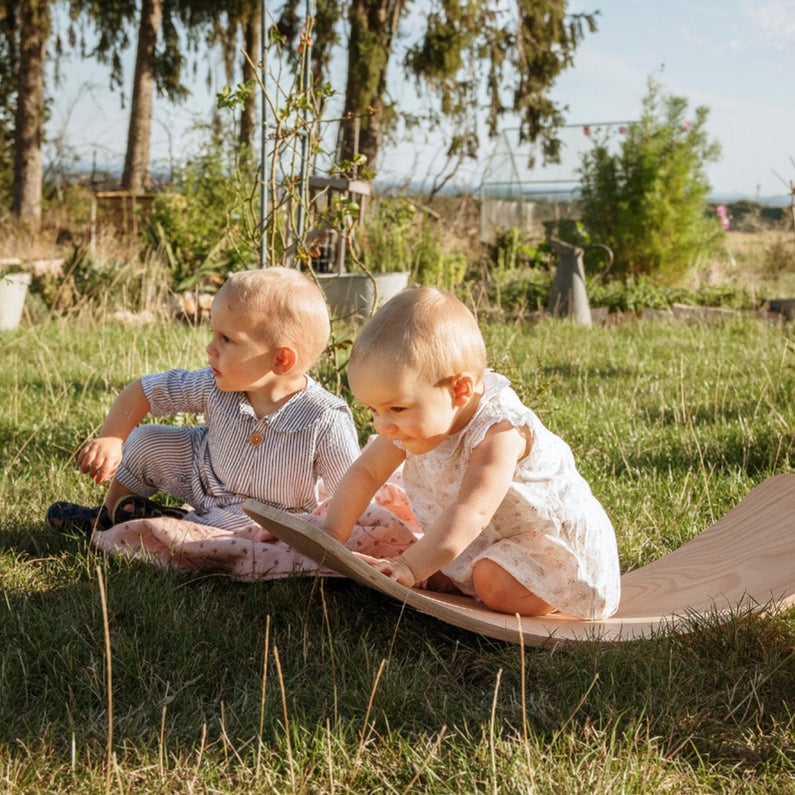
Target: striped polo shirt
x: 278, y: 458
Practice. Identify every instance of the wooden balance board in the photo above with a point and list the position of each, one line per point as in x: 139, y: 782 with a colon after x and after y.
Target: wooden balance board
x: 745, y: 561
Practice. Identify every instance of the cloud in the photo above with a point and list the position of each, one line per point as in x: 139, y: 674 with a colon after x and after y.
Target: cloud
x: 771, y: 22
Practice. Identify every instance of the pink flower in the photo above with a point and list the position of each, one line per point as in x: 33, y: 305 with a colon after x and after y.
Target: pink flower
x: 622, y: 130
x: 686, y: 126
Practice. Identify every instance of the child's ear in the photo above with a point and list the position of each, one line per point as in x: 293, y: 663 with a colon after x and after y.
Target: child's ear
x: 285, y: 361
x: 463, y: 388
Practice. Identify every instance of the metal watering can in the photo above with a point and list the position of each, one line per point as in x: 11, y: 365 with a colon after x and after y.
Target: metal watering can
x: 569, y: 297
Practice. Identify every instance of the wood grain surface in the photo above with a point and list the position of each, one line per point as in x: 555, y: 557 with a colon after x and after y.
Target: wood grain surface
x: 745, y: 561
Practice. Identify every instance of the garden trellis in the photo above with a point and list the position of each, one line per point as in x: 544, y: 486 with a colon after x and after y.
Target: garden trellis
x: 298, y: 153
x: 515, y: 177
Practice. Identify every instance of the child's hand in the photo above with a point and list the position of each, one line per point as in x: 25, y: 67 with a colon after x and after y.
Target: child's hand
x: 394, y: 568
x: 100, y: 458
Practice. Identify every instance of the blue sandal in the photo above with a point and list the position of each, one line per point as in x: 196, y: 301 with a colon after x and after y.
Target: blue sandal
x: 65, y: 516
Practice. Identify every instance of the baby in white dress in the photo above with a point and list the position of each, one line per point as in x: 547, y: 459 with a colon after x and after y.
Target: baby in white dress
x: 507, y: 518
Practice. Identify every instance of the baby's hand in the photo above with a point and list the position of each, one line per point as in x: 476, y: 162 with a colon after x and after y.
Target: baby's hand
x: 394, y: 568
x: 100, y: 458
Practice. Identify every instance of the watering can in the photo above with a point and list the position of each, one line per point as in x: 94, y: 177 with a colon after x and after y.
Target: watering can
x: 569, y: 297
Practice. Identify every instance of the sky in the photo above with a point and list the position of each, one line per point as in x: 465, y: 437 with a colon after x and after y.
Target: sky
x: 736, y: 57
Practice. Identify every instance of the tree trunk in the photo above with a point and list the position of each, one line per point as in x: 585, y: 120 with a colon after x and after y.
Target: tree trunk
x: 136, y: 162
x: 29, y: 125
x: 251, y: 34
x: 372, y: 26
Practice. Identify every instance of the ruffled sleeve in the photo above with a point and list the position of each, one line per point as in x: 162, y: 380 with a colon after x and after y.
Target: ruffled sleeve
x: 499, y: 403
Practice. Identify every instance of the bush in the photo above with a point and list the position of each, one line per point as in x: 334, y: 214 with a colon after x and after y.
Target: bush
x: 513, y: 250
x: 527, y: 290
x: 648, y: 201
x: 398, y: 236
x: 208, y: 227
x: 387, y: 238
x: 633, y: 295
x: 522, y: 290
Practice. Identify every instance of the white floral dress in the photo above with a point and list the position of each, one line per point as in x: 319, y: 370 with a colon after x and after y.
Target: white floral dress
x: 549, y: 532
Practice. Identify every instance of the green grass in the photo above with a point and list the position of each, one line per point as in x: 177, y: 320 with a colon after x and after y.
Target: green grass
x: 324, y: 686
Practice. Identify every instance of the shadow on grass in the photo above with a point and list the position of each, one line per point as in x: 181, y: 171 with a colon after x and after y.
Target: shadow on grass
x: 188, y: 653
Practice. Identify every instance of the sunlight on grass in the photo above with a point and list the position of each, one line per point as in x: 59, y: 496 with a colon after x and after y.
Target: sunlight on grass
x: 322, y: 686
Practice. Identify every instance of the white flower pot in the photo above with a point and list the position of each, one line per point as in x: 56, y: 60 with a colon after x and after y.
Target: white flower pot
x: 356, y: 295
x: 13, y: 290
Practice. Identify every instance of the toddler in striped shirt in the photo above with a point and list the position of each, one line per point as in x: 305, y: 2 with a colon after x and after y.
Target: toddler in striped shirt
x: 269, y: 430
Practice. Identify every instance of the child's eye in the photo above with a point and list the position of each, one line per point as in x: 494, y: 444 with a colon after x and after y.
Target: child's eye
x: 397, y: 409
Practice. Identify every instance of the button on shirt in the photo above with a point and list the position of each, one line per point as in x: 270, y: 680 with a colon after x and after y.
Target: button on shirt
x: 278, y: 458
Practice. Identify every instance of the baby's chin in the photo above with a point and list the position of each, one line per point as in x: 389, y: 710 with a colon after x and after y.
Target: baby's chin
x: 222, y: 386
x: 421, y: 446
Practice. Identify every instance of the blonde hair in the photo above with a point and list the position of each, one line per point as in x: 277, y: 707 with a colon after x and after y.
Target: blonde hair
x: 427, y: 331
x: 284, y: 309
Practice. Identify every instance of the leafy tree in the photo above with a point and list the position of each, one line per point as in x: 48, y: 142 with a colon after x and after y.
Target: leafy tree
x: 510, y: 53
x: 239, y: 19
x: 158, y: 64
x: 136, y: 175
x: 9, y: 69
x: 251, y: 24
x: 24, y: 30
x: 27, y: 27
x: 648, y: 200
x: 160, y: 57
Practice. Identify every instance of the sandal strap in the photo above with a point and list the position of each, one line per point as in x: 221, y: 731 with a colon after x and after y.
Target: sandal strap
x: 131, y: 506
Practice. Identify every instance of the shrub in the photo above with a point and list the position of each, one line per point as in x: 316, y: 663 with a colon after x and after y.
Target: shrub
x: 112, y: 281
x: 208, y: 226
x: 398, y: 236
x: 527, y: 290
x: 387, y: 235
x: 522, y: 290
x: 633, y: 295
x: 648, y: 201
x: 512, y: 249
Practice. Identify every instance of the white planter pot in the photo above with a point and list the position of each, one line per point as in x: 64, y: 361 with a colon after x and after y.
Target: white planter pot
x: 13, y: 289
x: 356, y: 295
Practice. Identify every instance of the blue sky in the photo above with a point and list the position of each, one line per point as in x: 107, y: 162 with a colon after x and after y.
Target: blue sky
x: 736, y: 57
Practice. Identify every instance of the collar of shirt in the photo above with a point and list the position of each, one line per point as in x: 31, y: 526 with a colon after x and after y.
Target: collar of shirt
x: 299, y: 412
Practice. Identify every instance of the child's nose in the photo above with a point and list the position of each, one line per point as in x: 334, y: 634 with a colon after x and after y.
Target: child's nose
x: 384, y: 426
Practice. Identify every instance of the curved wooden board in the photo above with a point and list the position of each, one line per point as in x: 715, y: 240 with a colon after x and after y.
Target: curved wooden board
x: 745, y: 561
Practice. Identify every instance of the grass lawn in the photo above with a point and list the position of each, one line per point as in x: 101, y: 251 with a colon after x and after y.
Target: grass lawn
x: 317, y: 686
